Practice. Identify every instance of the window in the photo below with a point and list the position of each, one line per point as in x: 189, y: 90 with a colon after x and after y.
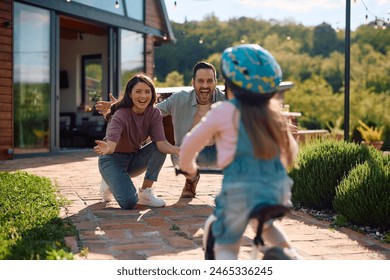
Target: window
x: 132, y: 58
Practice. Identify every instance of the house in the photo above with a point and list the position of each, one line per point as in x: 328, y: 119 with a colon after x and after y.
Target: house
x: 58, y: 57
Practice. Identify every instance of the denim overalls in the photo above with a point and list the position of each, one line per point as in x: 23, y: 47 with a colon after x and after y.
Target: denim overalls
x: 247, y: 182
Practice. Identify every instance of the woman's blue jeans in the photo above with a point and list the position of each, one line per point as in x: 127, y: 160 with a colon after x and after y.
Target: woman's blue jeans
x: 117, y: 170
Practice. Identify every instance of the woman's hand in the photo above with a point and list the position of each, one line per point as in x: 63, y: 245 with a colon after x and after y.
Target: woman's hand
x: 103, y: 107
x: 166, y: 148
x: 104, y: 148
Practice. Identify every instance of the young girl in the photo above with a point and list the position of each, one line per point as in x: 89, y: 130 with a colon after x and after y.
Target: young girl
x: 254, y: 147
x: 132, y: 120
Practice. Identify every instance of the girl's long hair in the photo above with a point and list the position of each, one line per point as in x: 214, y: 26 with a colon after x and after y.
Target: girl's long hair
x: 266, y: 126
x: 125, y: 101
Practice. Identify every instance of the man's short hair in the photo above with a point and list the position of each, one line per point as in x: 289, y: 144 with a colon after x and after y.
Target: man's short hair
x: 203, y: 65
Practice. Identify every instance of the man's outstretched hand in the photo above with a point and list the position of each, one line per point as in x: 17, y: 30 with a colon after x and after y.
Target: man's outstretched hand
x: 103, y: 107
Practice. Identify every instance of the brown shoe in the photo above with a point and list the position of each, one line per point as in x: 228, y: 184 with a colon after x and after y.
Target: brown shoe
x: 189, y: 190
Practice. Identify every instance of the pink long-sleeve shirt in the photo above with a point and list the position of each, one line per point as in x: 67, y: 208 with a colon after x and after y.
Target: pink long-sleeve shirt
x: 221, y: 122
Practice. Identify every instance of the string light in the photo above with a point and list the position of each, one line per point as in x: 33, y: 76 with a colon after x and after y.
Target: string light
x: 116, y: 4
x: 378, y: 22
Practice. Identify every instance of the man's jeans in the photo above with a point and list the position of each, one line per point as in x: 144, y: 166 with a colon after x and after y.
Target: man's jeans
x: 207, y: 158
x: 117, y: 169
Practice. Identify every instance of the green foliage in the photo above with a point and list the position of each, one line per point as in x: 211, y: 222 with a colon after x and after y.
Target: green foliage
x: 336, y: 128
x: 321, y: 166
x: 386, y: 138
x: 332, y: 69
x: 30, y: 227
x: 325, y: 40
x: 387, y: 238
x: 84, y: 252
x: 379, y: 39
x: 315, y: 99
x: 32, y: 111
x: 174, y: 227
x: 174, y: 79
x: 363, y: 197
x: 311, y: 57
x: 340, y: 221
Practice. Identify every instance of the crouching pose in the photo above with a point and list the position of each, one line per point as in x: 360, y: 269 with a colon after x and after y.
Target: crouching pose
x: 122, y: 154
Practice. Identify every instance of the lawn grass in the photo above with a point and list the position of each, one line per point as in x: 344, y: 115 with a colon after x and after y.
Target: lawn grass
x: 30, y: 223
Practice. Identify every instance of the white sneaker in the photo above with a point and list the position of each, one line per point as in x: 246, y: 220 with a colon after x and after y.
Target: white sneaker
x: 105, y: 192
x: 147, y: 197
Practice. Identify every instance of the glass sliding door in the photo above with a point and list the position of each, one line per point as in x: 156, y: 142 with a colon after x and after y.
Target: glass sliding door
x: 31, y: 79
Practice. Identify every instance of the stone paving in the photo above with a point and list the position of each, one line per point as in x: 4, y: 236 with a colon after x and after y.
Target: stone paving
x: 173, y: 232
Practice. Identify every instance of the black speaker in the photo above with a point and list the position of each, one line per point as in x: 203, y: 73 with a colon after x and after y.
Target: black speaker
x: 64, y: 82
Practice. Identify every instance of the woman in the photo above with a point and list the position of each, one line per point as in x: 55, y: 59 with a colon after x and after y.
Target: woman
x: 131, y: 121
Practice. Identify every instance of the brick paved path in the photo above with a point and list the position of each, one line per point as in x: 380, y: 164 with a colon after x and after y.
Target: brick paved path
x: 175, y: 231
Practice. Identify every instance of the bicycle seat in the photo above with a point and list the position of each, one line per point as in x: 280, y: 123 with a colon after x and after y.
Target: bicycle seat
x: 267, y: 212
x: 263, y: 213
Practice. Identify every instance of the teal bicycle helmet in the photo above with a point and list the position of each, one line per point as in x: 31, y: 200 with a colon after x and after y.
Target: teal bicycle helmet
x: 251, y: 68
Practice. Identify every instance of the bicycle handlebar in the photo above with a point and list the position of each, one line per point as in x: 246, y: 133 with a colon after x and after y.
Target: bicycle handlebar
x: 200, y: 171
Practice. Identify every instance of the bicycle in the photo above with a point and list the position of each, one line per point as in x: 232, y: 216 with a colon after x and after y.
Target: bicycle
x: 260, y: 214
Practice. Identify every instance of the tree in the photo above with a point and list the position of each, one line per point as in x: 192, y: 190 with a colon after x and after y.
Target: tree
x: 324, y: 40
x: 174, y: 79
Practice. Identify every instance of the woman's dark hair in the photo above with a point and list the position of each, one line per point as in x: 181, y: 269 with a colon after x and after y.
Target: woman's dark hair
x: 125, y: 101
x: 203, y: 65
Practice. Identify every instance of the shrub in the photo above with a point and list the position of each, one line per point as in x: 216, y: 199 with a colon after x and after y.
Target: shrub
x: 321, y: 165
x: 30, y: 227
x: 363, y: 197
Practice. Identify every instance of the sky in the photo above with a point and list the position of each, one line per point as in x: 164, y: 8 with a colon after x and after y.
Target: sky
x: 306, y: 12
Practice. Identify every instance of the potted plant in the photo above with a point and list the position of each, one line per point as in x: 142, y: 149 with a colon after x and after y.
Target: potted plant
x: 371, y: 135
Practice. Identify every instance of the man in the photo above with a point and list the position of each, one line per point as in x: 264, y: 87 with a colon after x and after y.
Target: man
x: 186, y: 109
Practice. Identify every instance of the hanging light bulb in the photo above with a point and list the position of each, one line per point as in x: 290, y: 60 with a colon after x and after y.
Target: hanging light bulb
x: 366, y: 14
x: 116, y: 4
x: 201, y: 41
x: 68, y: 1
x: 174, y: 5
